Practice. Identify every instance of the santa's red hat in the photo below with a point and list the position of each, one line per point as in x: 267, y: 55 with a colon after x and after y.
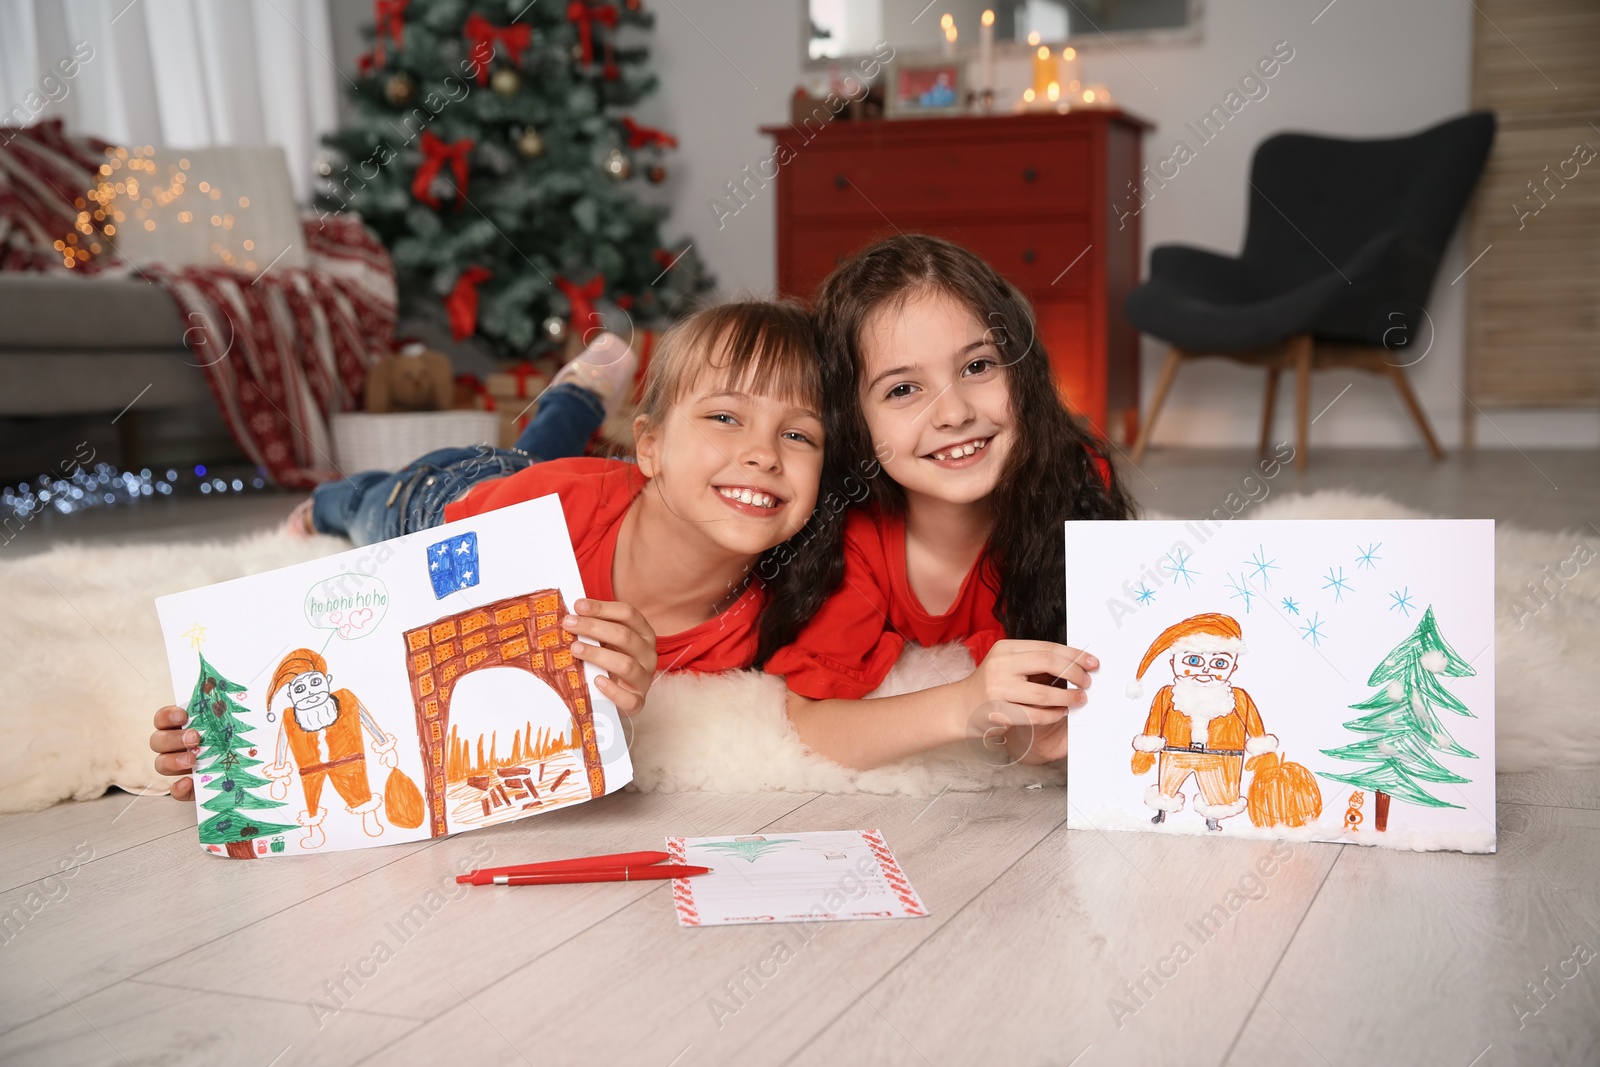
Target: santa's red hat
x: 296, y: 663
x: 1198, y: 633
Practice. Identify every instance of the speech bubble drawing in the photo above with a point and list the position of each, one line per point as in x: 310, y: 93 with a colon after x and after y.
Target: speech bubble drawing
x: 349, y: 604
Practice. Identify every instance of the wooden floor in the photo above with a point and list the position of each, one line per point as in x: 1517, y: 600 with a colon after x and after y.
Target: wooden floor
x: 1044, y: 946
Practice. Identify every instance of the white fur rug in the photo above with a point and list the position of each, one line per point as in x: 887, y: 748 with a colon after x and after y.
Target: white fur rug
x: 87, y: 669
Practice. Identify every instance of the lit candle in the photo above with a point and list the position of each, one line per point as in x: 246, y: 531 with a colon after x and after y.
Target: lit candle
x: 986, y: 56
x: 950, y: 42
x: 1069, y: 66
x: 1044, y: 70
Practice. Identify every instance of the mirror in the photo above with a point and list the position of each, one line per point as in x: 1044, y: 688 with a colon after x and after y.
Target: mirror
x: 840, y: 29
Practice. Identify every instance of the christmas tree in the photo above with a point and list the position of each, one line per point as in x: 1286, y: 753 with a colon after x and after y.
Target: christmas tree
x: 493, y: 152
x: 1403, y: 729
x: 214, y: 712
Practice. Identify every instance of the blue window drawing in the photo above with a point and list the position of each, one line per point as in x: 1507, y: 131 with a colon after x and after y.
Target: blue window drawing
x: 453, y: 564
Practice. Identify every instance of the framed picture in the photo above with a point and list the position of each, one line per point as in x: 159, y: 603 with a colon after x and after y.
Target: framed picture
x: 926, y: 87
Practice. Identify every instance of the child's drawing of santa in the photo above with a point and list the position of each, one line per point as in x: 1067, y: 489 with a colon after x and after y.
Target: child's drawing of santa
x: 1201, y: 724
x: 323, y: 732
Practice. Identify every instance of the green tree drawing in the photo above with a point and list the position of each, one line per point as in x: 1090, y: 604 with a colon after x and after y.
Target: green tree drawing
x: 228, y: 757
x: 749, y: 851
x: 1402, y: 725
x: 492, y: 146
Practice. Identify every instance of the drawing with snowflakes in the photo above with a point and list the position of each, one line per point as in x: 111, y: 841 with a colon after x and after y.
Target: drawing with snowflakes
x: 1402, y: 727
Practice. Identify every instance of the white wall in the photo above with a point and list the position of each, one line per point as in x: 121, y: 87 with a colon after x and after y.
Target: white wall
x: 1363, y: 68
x: 1366, y: 68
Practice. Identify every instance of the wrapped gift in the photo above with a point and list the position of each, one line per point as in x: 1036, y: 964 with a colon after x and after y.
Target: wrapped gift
x: 513, y: 392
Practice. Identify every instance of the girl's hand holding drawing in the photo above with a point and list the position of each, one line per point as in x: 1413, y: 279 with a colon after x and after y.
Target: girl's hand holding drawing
x: 175, y: 749
x: 1035, y: 731
x: 625, y: 649
x: 1022, y: 683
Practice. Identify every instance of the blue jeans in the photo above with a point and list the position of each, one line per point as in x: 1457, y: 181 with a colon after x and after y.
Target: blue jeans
x: 374, y: 506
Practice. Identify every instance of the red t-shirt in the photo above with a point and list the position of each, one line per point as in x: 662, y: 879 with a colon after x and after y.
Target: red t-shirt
x: 847, y: 648
x: 595, y: 495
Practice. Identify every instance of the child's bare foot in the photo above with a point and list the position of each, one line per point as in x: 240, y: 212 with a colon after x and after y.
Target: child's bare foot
x: 298, y: 524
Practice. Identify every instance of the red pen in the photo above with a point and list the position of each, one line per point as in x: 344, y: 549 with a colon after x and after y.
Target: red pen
x: 613, y: 874
x: 582, y: 863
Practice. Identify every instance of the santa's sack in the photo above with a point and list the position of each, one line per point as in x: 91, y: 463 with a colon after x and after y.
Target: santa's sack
x: 403, y: 801
x: 1282, y: 793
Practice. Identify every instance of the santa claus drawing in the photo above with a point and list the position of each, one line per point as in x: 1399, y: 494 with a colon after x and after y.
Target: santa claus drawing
x: 1202, y: 724
x: 323, y: 733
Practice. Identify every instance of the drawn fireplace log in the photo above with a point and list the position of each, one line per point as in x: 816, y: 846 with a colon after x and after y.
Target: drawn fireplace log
x: 520, y: 631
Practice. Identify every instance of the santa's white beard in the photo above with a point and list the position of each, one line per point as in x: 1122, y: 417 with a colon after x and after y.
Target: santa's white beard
x: 317, y: 717
x: 1202, y: 702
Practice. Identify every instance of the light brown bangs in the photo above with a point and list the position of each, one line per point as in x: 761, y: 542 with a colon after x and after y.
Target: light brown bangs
x: 764, y: 348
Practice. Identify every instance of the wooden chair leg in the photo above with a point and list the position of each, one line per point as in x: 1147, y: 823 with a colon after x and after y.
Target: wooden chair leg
x: 1398, y: 376
x: 1300, y: 348
x: 1163, y: 384
x: 1269, y: 407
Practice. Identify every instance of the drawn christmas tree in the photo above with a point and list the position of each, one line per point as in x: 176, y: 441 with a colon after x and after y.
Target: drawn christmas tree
x: 747, y: 849
x: 1402, y: 724
x: 214, y: 712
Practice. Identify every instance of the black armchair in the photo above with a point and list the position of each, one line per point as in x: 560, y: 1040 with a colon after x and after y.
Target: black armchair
x: 1341, y: 248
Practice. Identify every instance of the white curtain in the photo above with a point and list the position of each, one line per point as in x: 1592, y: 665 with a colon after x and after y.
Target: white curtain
x: 179, y: 73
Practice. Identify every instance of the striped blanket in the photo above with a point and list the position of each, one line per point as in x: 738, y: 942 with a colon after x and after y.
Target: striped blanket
x: 282, y: 350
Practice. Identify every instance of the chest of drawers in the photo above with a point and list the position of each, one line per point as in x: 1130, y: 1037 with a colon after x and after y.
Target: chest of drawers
x: 1044, y: 198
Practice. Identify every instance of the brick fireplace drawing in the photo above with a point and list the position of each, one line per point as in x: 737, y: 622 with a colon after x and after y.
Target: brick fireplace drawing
x: 520, y: 631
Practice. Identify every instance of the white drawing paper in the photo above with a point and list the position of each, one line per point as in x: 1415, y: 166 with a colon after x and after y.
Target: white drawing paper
x: 409, y: 689
x: 814, y: 876
x: 1315, y: 680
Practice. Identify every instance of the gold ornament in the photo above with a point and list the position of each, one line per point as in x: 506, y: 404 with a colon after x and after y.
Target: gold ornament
x: 555, y: 329
x: 618, y: 165
x: 505, y: 82
x: 530, y: 144
x: 399, y: 89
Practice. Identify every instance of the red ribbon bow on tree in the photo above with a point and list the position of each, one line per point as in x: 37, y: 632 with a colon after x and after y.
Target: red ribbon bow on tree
x: 483, y: 34
x: 462, y: 303
x: 586, y: 15
x: 388, y: 20
x: 581, y: 298
x: 435, y: 154
x: 640, y: 136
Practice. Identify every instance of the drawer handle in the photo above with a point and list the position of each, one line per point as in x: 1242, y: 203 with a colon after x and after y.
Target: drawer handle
x: 840, y: 181
x: 1029, y: 174
x: 1028, y: 255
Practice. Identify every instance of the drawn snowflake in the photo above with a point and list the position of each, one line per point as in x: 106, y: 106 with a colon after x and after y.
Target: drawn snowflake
x: 1402, y: 602
x: 1337, y: 584
x: 748, y: 850
x: 1240, y: 590
x: 1262, y: 564
x: 1179, y: 568
x: 1313, y: 630
x: 1290, y: 606
x: 1143, y: 594
x: 1366, y: 557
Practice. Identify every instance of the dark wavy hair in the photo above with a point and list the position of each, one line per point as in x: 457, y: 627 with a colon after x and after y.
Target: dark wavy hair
x: 1050, y: 476
x: 768, y: 347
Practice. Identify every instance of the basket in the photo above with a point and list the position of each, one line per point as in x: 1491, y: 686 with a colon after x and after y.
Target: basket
x: 387, y: 442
